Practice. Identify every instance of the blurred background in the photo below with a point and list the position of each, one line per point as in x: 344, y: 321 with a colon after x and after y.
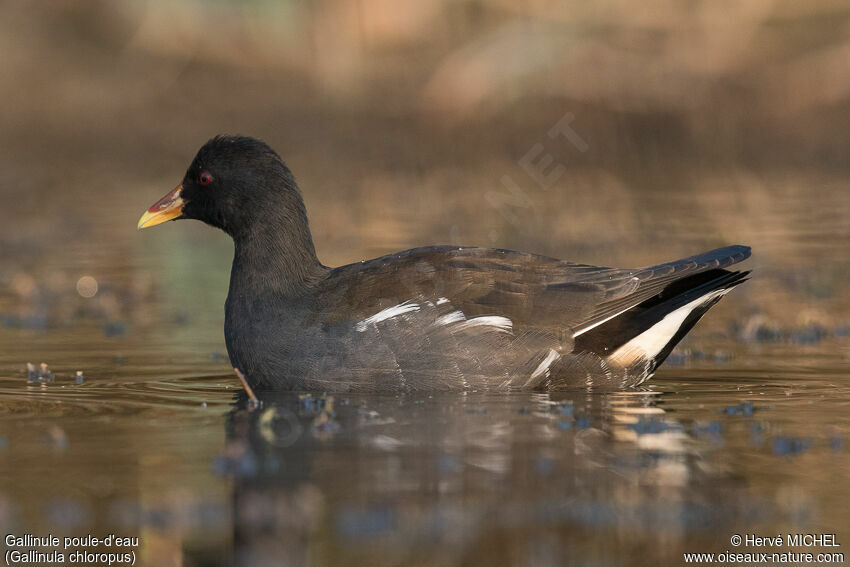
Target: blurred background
x: 612, y: 133
x: 701, y: 124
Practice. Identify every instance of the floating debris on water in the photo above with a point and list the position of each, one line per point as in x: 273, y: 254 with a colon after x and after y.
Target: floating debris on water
x: 679, y: 357
x: 758, y: 329
x: 766, y: 335
x: 564, y: 408
x: 790, y: 446
x: 45, y: 301
x: 711, y: 431
x: 44, y: 373
x: 310, y: 404
x: 745, y: 409
x: 40, y: 375
x: 653, y: 426
x: 809, y: 335
x: 33, y: 322
x: 707, y: 428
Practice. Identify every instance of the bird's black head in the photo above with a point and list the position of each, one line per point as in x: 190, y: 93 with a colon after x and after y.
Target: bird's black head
x: 233, y: 183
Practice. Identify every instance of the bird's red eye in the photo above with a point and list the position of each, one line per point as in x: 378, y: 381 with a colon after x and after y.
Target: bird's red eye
x: 205, y: 178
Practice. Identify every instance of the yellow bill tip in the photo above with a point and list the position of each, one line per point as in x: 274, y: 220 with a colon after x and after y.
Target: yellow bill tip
x: 168, y: 208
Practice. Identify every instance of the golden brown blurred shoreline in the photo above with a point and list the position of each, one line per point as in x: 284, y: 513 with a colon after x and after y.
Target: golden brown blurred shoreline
x: 706, y: 125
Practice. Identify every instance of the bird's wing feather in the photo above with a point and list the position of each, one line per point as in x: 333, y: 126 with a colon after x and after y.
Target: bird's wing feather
x: 628, y: 288
x: 535, y: 292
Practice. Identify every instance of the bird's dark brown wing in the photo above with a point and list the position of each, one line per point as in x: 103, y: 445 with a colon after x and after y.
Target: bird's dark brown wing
x: 535, y: 292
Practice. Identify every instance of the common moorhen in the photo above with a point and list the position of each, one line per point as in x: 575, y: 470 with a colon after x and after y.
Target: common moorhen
x: 431, y: 318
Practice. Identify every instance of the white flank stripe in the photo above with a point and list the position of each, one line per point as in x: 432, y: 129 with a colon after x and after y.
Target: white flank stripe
x: 547, y: 362
x: 450, y: 318
x: 650, y: 342
x: 500, y: 323
x: 387, y: 313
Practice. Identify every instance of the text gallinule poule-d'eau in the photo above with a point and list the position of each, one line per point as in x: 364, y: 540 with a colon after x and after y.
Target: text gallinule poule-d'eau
x: 438, y: 317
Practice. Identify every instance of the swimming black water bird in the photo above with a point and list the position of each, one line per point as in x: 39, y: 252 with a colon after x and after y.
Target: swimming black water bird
x: 432, y: 318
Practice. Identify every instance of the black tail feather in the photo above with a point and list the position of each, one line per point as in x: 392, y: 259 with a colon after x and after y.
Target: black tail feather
x: 608, y: 337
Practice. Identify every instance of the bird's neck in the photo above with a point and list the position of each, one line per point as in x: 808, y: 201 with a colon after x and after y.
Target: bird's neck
x: 276, y: 256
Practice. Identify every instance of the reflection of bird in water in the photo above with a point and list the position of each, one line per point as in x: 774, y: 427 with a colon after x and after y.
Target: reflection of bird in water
x: 402, y: 477
x: 276, y: 506
x: 433, y: 318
